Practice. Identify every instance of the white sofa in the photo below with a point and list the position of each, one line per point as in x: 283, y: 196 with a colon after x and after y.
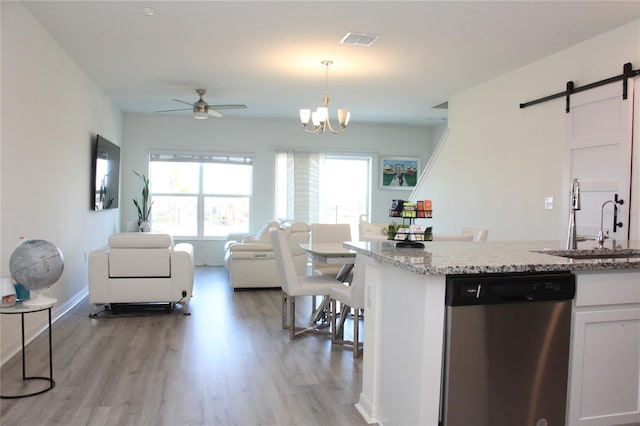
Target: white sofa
x: 140, y: 267
x: 251, y: 262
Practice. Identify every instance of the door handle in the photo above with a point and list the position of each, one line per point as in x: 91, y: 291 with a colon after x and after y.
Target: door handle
x: 617, y: 202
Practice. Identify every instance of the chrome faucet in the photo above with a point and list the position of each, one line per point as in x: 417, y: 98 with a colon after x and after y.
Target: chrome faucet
x: 601, y: 236
x: 572, y: 236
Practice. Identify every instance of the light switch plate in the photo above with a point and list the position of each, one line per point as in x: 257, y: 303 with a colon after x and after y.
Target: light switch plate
x: 548, y: 203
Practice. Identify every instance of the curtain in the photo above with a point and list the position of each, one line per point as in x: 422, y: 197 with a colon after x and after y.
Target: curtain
x: 303, y: 185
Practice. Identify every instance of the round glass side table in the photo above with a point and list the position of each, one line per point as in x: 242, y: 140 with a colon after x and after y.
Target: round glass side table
x: 20, y: 309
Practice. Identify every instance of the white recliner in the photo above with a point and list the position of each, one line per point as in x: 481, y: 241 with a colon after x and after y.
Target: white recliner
x: 138, y: 267
x: 251, y: 262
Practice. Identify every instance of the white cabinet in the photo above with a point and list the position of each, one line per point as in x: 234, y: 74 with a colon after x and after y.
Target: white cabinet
x: 604, y: 377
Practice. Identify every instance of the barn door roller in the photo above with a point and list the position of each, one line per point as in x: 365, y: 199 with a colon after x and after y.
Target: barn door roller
x: 627, y: 73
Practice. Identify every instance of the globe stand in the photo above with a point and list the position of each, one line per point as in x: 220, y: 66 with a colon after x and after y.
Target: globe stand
x: 39, y: 300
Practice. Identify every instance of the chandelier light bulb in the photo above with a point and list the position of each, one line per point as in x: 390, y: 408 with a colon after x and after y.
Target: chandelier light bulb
x: 315, y: 119
x: 305, y: 114
x: 343, y: 117
x: 323, y: 114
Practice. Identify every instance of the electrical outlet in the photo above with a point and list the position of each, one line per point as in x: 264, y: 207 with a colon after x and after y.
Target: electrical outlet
x: 548, y: 203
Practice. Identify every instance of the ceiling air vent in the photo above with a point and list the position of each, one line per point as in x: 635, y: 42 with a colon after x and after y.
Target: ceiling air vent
x: 444, y: 105
x: 359, y: 39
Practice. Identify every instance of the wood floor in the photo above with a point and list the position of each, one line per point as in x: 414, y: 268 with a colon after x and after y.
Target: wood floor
x: 229, y: 363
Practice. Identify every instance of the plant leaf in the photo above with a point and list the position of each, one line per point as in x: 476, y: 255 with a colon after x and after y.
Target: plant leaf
x: 144, y: 211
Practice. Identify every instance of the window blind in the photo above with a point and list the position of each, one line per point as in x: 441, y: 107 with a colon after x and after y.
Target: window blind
x: 202, y: 158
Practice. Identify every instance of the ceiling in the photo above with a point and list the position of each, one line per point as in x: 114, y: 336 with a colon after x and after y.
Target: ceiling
x: 267, y: 54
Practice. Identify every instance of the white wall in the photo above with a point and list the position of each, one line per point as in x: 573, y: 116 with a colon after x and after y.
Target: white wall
x: 51, y: 113
x: 500, y: 161
x: 145, y: 132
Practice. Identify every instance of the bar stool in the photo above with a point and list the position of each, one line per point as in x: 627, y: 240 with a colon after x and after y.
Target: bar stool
x: 350, y: 297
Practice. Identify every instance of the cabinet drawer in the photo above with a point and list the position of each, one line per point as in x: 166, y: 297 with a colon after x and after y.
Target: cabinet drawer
x: 611, y: 288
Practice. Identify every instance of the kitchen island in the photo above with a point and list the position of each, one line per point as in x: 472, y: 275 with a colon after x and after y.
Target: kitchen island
x: 405, y: 326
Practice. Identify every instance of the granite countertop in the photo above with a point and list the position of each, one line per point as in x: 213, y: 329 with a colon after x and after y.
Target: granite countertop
x: 453, y: 257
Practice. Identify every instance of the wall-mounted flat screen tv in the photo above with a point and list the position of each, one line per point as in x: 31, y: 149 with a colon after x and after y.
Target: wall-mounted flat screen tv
x: 105, y: 174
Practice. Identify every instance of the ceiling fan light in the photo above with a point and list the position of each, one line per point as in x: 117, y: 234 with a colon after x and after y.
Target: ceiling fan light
x: 201, y: 112
x: 305, y: 114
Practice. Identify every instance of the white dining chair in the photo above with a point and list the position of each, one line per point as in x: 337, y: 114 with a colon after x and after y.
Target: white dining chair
x: 350, y: 297
x: 479, y: 234
x: 294, y: 285
x: 328, y: 233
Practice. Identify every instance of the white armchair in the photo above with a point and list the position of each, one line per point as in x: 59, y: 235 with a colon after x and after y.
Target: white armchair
x: 138, y: 267
x: 251, y: 262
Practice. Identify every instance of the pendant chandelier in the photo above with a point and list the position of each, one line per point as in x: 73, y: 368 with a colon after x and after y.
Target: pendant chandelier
x: 320, y: 117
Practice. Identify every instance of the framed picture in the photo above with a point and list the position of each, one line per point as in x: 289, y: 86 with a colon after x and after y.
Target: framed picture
x: 399, y: 173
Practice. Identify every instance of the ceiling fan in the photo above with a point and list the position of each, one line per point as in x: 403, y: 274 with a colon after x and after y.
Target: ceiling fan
x: 202, y: 110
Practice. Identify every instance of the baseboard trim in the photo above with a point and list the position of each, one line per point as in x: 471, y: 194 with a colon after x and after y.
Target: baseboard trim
x: 366, y: 409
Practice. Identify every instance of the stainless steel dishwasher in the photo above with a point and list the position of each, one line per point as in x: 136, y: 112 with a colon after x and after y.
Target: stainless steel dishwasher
x: 507, y: 349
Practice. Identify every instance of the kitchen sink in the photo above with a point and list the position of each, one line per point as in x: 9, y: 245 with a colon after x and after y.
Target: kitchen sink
x: 595, y: 254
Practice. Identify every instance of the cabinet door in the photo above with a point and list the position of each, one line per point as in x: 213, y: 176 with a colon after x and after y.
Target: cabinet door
x: 604, y: 385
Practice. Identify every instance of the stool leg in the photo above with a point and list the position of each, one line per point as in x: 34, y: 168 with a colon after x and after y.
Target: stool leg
x: 284, y: 310
x: 344, y: 313
x: 292, y: 316
x: 334, y: 331
x: 356, y: 333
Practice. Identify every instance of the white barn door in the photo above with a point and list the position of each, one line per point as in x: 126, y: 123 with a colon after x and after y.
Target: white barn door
x: 598, y: 153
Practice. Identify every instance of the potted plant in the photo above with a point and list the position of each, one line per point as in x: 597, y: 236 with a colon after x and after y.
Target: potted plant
x: 144, y: 206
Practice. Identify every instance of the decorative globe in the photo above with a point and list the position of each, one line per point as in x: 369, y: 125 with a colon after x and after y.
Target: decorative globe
x: 36, y: 264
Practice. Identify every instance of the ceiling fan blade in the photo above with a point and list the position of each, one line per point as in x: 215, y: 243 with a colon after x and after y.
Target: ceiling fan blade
x: 178, y: 100
x: 233, y: 106
x: 214, y: 113
x: 172, y: 110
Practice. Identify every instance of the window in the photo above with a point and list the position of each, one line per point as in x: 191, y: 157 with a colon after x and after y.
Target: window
x: 200, y: 195
x: 346, y: 196
x: 322, y: 188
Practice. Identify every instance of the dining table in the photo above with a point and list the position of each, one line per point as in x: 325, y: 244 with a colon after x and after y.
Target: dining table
x: 331, y: 254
